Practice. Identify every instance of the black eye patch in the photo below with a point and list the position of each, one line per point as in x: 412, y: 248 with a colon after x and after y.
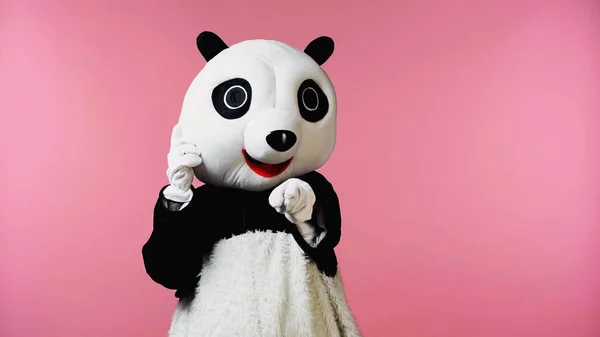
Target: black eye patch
x: 231, y: 99
x: 312, y: 101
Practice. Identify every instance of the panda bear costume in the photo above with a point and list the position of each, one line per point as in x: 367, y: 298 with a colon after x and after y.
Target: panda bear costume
x: 250, y: 253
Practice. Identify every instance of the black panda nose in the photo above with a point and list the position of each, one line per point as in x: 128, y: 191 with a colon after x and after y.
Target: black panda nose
x: 281, y: 140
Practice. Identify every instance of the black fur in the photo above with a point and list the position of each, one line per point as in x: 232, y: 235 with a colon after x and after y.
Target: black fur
x: 181, y: 240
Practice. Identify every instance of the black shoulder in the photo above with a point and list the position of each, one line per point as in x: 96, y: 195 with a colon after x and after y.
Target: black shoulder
x: 316, y: 180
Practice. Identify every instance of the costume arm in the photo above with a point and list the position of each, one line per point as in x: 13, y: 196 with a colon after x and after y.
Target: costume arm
x: 327, y: 217
x: 174, y: 252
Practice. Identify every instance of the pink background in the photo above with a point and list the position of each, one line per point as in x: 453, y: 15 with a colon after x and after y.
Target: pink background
x: 467, y: 164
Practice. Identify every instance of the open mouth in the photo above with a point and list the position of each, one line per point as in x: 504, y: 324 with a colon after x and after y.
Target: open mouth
x: 264, y: 169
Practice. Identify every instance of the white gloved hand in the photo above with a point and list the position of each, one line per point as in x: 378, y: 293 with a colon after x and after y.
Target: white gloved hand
x: 182, y: 159
x: 295, y: 199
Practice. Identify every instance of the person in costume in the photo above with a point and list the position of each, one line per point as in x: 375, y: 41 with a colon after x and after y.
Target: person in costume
x: 251, y: 251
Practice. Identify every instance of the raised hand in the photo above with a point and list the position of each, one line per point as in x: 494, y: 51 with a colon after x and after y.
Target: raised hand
x: 182, y: 159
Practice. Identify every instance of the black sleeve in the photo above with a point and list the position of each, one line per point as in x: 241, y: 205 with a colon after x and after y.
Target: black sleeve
x: 179, y: 241
x: 327, y: 212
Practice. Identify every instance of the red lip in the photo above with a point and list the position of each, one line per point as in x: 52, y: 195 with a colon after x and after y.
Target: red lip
x: 264, y: 169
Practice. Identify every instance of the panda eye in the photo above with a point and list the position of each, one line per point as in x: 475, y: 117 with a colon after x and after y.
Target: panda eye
x: 231, y: 99
x: 235, y: 97
x: 312, y: 101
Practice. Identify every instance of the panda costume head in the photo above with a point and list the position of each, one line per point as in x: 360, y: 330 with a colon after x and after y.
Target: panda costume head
x: 259, y: 112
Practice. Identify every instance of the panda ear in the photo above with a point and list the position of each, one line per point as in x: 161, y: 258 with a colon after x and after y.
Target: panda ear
x: 320, y: 49
x: 210, y: 45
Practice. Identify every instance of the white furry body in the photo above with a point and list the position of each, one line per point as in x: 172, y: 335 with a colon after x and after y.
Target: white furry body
x: 260, y: 284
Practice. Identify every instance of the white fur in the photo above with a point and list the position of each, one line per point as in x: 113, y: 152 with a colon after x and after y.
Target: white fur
x: 275, y: 71
x: 260, y: 284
